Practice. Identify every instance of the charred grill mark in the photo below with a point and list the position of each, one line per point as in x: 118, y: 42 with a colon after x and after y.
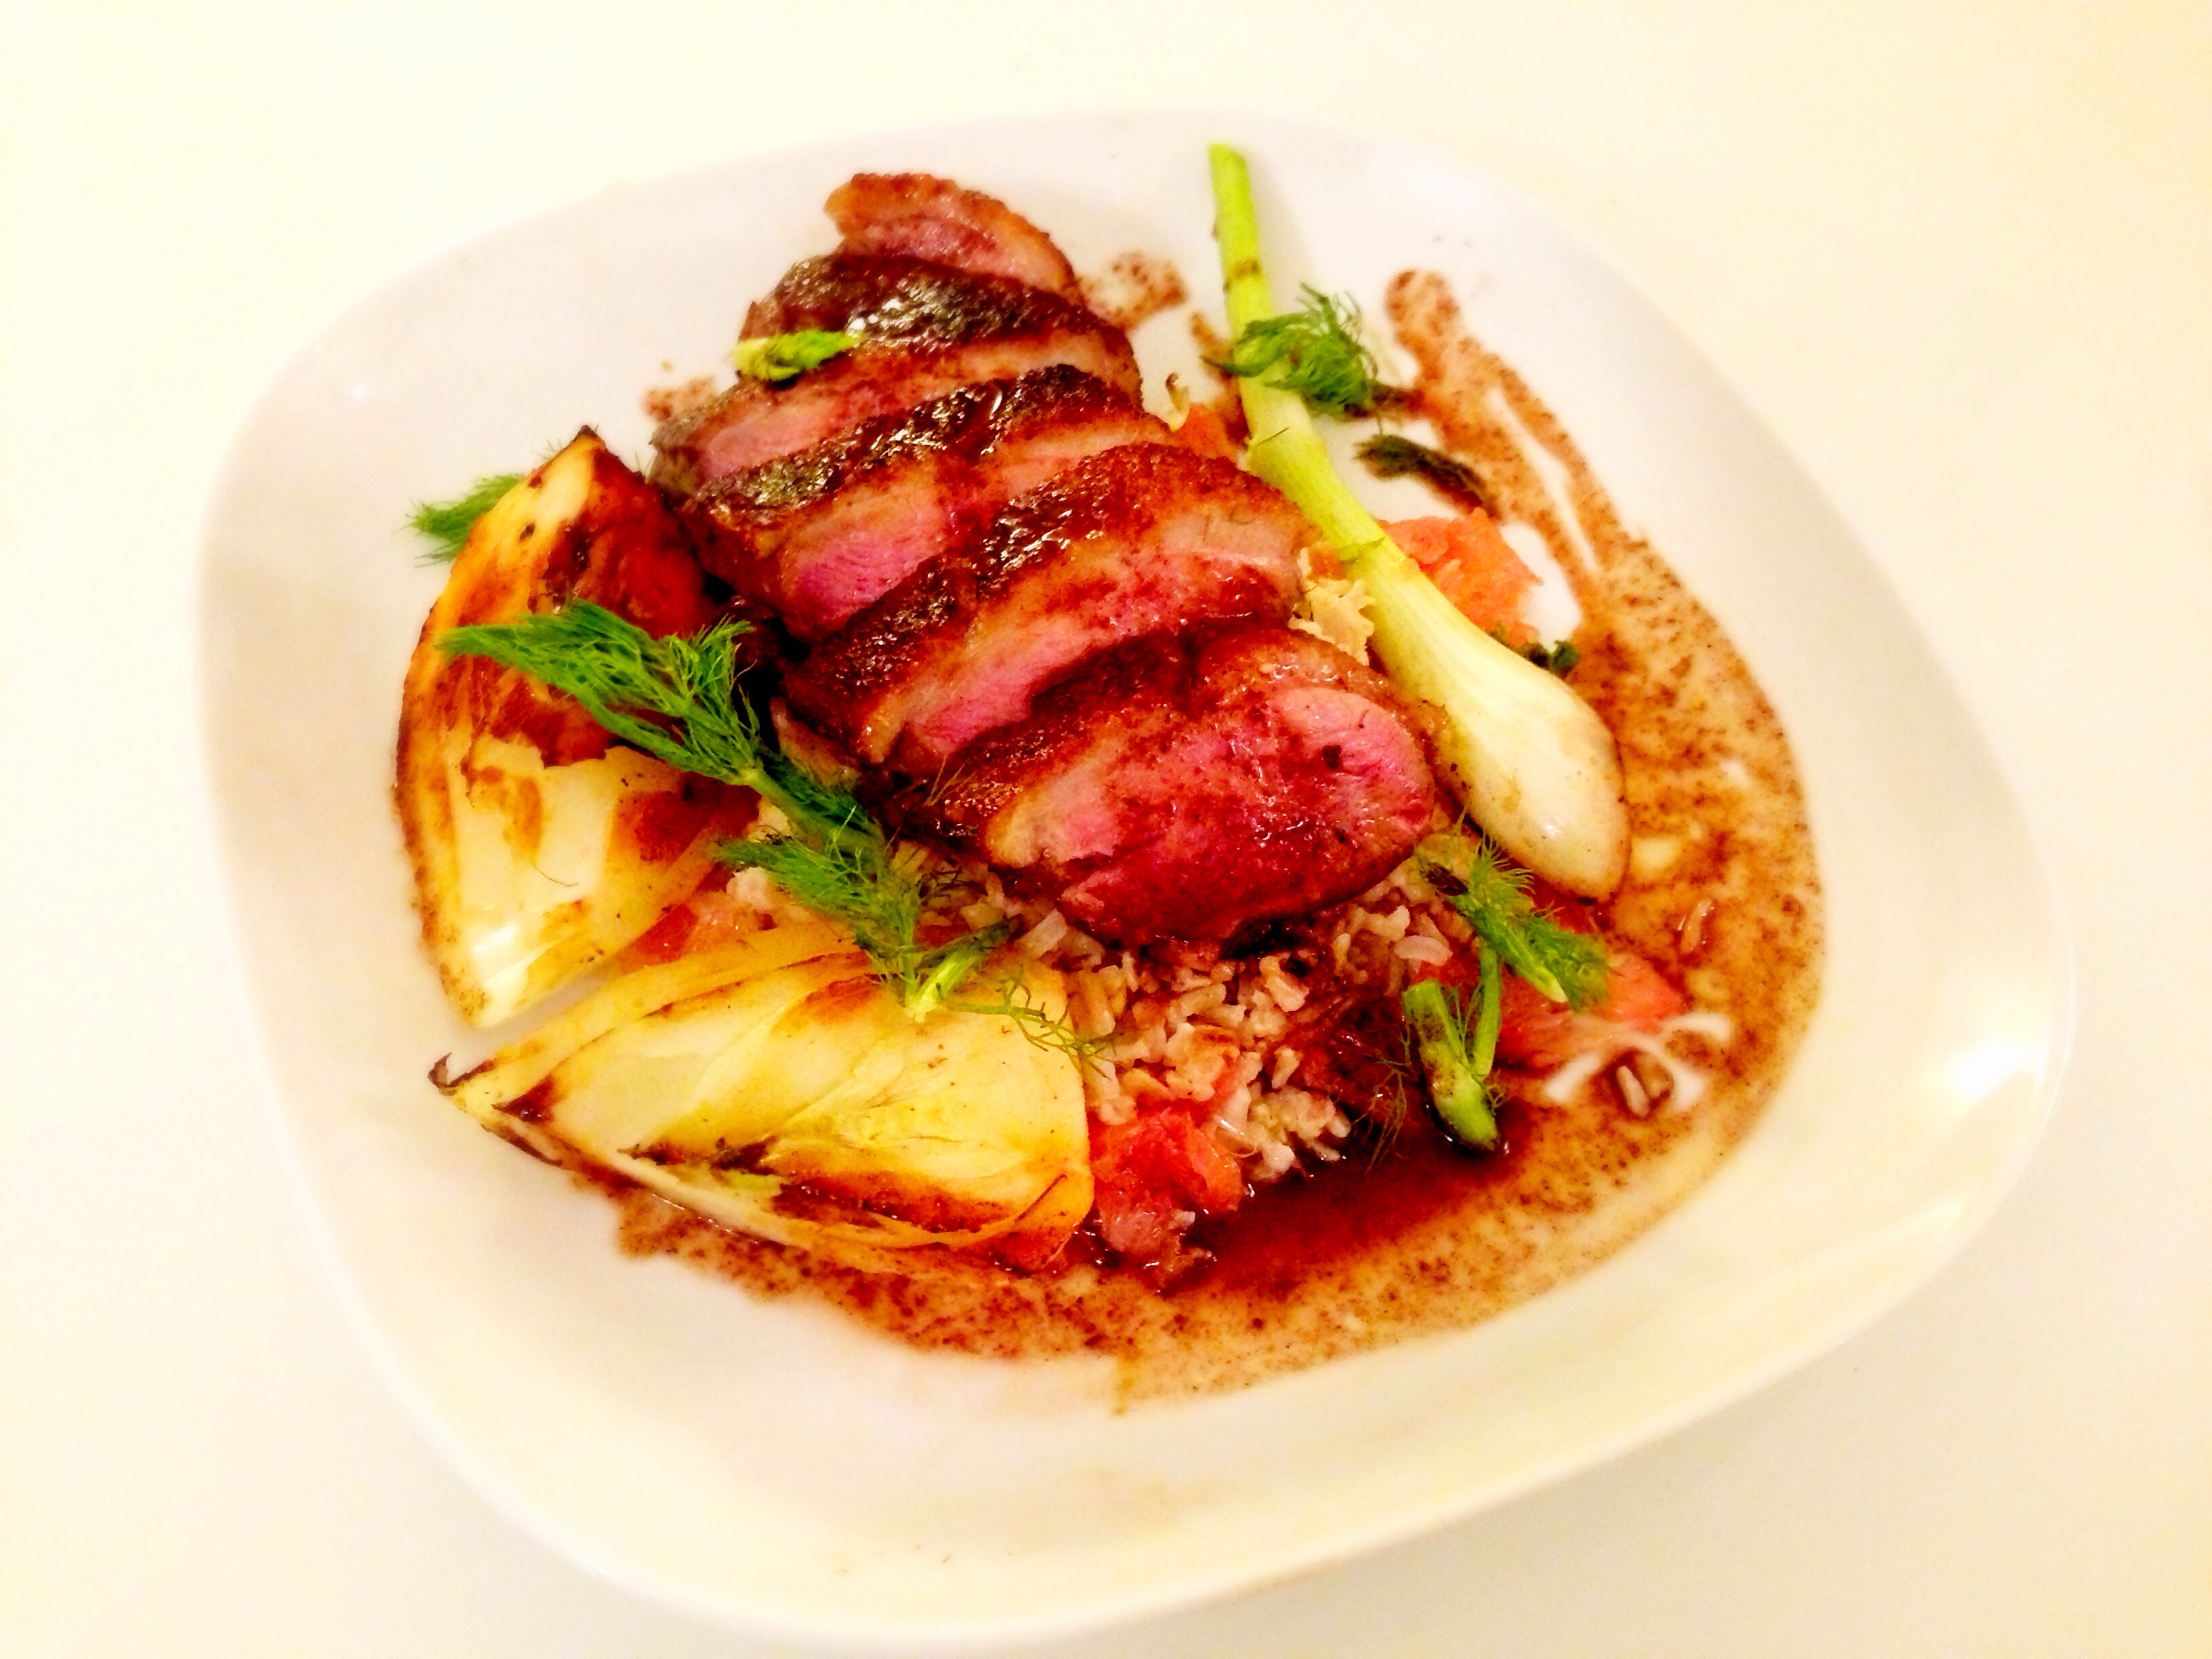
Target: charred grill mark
x: 535, y: 1106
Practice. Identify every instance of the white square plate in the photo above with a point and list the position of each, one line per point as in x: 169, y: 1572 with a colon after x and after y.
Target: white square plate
x: 774, y: 1467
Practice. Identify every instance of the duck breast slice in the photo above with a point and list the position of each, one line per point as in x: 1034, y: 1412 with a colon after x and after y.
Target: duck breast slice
x: 924, y: 330
x: 819, y: 534
x: 1141, y: 539
x: 1187, y: 787
x: 931, y: 218
x: 884, y: 297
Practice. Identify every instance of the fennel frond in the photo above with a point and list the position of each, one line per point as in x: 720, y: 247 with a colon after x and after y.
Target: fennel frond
x: 446, y: 524
x: 1314, y: 352
x: 1492, y: 898
x: 677, y: 699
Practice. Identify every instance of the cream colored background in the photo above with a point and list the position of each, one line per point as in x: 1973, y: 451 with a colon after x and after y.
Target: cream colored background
x: 1960, y: 256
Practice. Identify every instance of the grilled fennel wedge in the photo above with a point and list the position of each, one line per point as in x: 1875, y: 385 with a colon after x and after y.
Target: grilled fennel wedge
x: 774, y: 1086
x: 540, y: 849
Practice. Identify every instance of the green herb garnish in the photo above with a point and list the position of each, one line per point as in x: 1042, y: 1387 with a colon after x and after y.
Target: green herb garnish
x: 677, y: 699
x: 1316, y: 353
x: 1560, y: 656
x: 673, y: 698
x: 781, y: 357
x: 877, y: 888
x: 1011, y: 1000
x: 1492, y: 898
x: 446, y: 524
x: 1390, y: 455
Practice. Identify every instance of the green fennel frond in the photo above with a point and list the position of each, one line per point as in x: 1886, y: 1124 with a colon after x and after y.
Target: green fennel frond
x: 849, y: 878
x: 877, y: 889
x: 1011, y: 1000
x: 446, y: 524
x: 1560, y: 656
x: 1315, y: 352
x: 942, y: 970
x: 676, y: 700
x: 781, y: 357
x: 1492, y: 898
x: 1393, y: 455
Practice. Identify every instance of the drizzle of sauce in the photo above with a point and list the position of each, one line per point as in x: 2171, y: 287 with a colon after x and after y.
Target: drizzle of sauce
x: 1408, y: 1235
x: 1134, y: 289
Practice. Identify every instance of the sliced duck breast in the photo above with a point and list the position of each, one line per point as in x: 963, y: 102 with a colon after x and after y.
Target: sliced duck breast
x: 1186, y: 786
x: 931, y: 218
x: 1142, y: 540
x: 819, y: 534
x: 924, y: 328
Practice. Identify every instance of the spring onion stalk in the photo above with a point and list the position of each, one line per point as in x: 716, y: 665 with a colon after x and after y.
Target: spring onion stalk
x: 1530, y: 761
x: 1454, y: 1057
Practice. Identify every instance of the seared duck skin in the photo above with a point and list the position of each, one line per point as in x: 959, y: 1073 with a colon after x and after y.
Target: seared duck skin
x: 819, y: 534
x: 1141, y: 539
x: 935, y: 219
x: 1187, y: 785
x: 924, y: 330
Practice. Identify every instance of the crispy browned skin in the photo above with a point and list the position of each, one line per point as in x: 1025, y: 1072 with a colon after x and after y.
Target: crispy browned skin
x: 753, y: 422
x: 819, y: 534
x: 625, y: 551
x: 892, y: 297
x: 926, y: 329
x: 931, y: 218
x: 1187, y: 786
x: 1138, y: 540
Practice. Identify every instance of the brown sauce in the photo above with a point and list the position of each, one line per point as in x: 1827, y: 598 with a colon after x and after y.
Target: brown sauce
x: 1134, y: 287
x: 1410, y: 1236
